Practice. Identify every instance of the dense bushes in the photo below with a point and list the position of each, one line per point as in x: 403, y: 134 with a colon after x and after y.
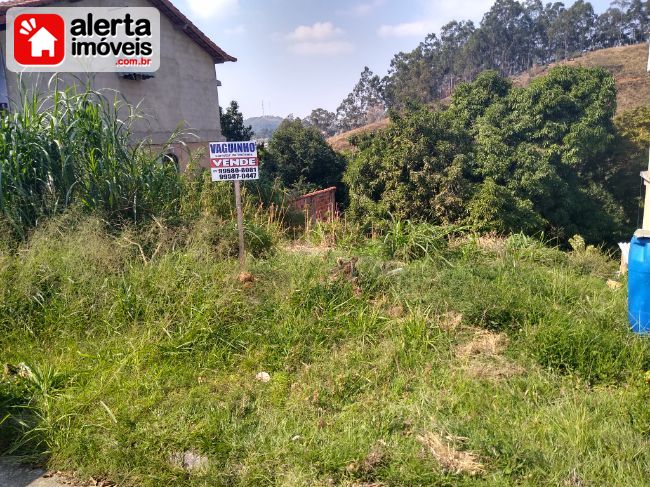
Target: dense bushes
x: 546, y: 158
x: 532, y: 159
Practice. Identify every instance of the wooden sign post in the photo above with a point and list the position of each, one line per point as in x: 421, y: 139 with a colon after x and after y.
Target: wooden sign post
x: 237, y: 162
x: 240, y: 226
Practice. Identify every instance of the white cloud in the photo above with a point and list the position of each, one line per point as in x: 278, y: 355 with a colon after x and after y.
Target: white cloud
x: 361, y: 9
x: 326, y: 48
x: 214, y: 8
x: 319, y: 39
x: 407, y: 29
x: 235, y: 31
x: 320, y: 31
x: 433, y: 14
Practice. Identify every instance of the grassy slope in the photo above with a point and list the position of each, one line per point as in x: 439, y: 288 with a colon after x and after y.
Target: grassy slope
x: 514, y: 352
x: 341, y: 142
x: 627, y: 64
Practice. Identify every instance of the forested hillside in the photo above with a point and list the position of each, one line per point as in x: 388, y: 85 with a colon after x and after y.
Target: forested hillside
x: 512, y: 38
x: 626, y: 63
x: 264, y: 126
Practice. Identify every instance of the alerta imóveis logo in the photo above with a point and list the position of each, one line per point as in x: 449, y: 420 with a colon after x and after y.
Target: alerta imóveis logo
x: 39, y: 39
x: 78, y: 39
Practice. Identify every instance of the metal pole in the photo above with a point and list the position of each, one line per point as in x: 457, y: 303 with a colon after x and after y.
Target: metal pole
x: 240, y: 225
x: 646, y: 206
x: 646, y: 178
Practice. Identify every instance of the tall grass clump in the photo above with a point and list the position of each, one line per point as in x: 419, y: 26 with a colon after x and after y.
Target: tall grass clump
x: 210, y: 211
x: 408, y: 241
x: 75, y: 146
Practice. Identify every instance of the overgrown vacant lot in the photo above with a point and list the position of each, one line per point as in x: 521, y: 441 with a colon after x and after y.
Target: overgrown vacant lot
x: 446, y: 361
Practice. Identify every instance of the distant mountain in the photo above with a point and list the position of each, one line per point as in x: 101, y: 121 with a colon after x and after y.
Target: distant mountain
x: 264, y: 126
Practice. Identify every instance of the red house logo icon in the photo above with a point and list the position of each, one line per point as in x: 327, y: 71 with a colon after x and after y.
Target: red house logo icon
x: 39, y: 40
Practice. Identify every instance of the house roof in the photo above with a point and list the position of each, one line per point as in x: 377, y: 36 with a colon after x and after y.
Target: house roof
x: 166, y: 7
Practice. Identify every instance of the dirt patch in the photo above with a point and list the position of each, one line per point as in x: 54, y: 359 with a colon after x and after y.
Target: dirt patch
x: 483, y: 344
x: 307, y: 249
x: 451, y: 321
x: 574, y: 480
x: 189, y: 461
x: 346, y: 269
x: 396, y: 311
x: 393, y: 310
x: 626, y: 63
x: 377, y: 457
x: 492, y: 243
x: 341, y: 142
x: 493, y: 368
x: 481, y: 357
x: 450, y: 459
x: 246, y: 278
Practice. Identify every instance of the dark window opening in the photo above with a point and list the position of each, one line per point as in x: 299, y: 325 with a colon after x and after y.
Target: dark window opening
x: 171, y: 159
x: 137, y: 76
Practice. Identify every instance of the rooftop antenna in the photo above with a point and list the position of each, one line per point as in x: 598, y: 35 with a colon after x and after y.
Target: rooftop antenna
x: 263, y: 113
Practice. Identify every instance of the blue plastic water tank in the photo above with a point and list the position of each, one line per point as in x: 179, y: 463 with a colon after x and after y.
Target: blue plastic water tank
x: 639, y: 285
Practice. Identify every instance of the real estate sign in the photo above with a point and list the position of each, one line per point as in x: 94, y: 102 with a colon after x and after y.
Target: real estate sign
x: 234, y: 161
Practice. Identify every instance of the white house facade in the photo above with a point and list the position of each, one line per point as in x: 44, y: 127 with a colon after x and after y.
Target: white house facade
x: 183, y: 93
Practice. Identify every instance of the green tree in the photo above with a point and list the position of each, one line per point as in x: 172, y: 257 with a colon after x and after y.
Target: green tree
x: 323, y: 120
x: 414, y: 77
x: 232, y: 123
x: 628, y: 158
x: 415, y: 169
x: 512, y: 37
x: 573, y: 29
x: 500, y: 158
x: 301, y: 158
x: 365, y: 104
x: 548, y: 143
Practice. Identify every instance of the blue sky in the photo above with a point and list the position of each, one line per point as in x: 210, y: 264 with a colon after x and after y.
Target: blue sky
x: 296, y: 55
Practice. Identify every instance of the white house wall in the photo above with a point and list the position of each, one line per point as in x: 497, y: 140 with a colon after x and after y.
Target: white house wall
x: 183, y: 92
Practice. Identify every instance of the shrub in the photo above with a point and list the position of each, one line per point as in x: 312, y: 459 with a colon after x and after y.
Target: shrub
x: 496, y: 208
x: 220, y: 237
x: 301, y: 158
x: 531, y: 160
x: 588, y: 259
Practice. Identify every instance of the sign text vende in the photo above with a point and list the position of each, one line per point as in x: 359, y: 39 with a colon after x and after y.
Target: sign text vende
x: 234, y: 161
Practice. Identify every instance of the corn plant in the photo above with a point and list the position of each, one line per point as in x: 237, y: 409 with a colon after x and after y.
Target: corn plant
x: 76, y: 146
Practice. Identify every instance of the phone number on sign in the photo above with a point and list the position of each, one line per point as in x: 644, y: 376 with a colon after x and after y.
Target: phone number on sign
x: 235, y: 176
x: 237, y: 170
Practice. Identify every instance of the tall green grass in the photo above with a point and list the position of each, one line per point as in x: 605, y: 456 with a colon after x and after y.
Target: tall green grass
x: 74, y: 146
x: 135, y: 359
